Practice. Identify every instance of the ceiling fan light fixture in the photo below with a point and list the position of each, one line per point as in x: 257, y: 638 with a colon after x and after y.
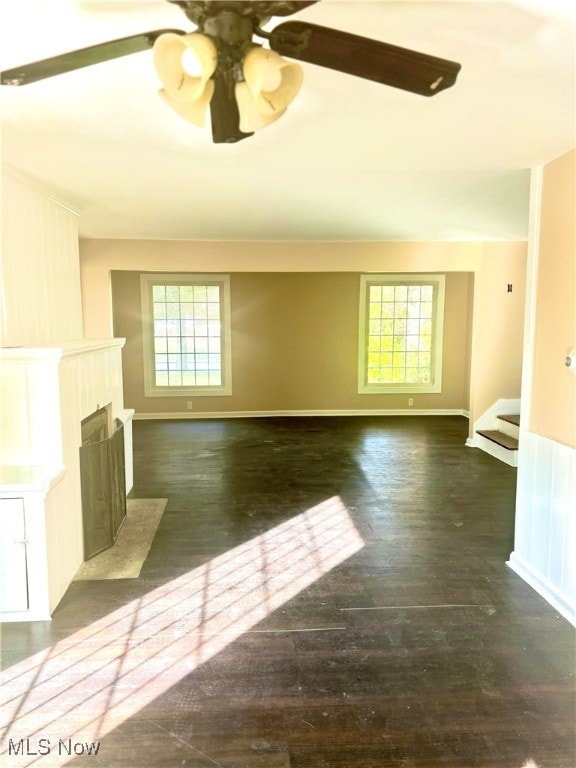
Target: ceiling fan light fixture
x: 273, y: 82
x: 193, y: 111
x: 170, y: 52
x: 270, y: 85
x: 251, y: 119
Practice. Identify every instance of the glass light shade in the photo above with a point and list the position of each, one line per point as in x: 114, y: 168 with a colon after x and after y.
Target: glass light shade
x: 271, y: 83
x: 193, y: 111
x: 169, y: 50
x: 250, y: 118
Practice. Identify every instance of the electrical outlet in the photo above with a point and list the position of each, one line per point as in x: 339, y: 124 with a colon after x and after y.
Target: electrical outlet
x: 410, y: 401
x: 189, y: 405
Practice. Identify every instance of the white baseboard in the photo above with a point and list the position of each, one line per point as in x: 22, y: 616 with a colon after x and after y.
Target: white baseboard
x: 544, y: 587
x: 262, y: 414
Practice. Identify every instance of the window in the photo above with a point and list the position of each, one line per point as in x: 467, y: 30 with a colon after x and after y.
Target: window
x: 186, y: 334
x: 401, y: 326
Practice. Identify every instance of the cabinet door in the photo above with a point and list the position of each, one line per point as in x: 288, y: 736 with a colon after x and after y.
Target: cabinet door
x: 13, y: 574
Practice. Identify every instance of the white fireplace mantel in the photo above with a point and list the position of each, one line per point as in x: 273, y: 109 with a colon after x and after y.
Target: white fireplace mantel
x: 45, y: 392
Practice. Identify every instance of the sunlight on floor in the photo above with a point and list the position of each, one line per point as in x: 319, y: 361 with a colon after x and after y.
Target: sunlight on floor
x: 78, y: 690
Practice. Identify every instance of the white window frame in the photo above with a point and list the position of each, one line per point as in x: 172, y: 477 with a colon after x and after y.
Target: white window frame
x: 438, y: 283
x: 151, y: 389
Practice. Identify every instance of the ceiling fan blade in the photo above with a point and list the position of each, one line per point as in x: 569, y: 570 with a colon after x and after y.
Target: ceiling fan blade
x: 224, y: 113
x: 363, y: 57
x: 84, y: 57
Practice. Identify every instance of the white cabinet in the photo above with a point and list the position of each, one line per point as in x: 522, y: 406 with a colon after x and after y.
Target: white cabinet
x: 13, y: 561
x: 30, y: 542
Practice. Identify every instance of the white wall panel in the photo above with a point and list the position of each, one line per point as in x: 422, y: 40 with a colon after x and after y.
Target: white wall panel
x: 545, y: 542
x: 41, y: 296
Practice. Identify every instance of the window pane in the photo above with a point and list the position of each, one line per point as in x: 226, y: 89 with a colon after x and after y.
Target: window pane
x: 399, y: 359
x: 173, y: 311
x: 401, y: 293
x: 412, y: 343
x: 427, y: 292
x: 174, y: 362
x: 375, y: 293
x: 424, y: 360
x: 385, y: 360
x: 188, y: 379
x: 173, y: 328
x: 158, y: 293
x: 387, y: 293
x: 426, y: 309
x: 159, y: 311
x: 200, y: 311
x: 187, y: 310
x: 172, y: 293
x: 186, y: 293
x: 213, y: 311
x: 160, y: 328
x: 412, y: 359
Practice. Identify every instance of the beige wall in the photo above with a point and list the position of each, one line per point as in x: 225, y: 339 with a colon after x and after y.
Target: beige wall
x: 99, y: 257
x: 295, y: 346
x: 490, y: 317
x: 498, y: 329
x: 553, y: 407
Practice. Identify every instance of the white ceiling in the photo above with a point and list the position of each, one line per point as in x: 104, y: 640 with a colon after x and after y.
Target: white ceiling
x: 350, y: 160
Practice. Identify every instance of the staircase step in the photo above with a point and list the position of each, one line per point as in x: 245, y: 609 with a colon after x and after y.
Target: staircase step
x: 513, y: 418
x: 510, y: 443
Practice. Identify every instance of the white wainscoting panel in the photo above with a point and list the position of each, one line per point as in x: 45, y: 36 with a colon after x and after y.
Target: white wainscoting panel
x: 545, y: 537
x: 40, y: 268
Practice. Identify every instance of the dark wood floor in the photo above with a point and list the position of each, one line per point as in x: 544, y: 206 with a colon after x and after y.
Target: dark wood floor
x: 321, y: 593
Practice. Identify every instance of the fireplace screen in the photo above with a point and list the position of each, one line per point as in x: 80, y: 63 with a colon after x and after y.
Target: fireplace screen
x: 103, y: 481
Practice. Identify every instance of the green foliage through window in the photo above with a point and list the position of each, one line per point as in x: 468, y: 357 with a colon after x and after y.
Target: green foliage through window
x: 399, y: 332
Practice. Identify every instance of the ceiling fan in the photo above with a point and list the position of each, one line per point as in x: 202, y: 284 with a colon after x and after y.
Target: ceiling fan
x: 246, y: 85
